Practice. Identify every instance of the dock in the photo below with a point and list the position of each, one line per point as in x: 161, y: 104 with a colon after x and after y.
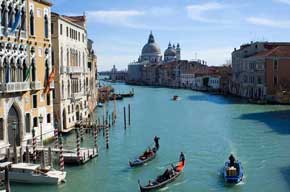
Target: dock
x: 85, y: 155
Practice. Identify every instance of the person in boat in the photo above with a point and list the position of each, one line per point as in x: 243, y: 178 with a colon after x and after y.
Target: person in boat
x: 150, y: 183
x: 156, y: 141
x: 182, y: 158
x: 232, y: 160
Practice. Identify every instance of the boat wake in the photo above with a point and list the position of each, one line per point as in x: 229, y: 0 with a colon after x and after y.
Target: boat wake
x: 164, y: 189
x: 180, y: 183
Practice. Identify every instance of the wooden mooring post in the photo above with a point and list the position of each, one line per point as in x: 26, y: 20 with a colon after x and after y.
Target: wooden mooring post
x: 125, y: 118
x: 129, y: 116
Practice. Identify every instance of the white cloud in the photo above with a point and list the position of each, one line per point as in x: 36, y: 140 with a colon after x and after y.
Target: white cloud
x: 115, y: 17
x: 197, y: 12
x: 268, y: 22
x: 283, y: 1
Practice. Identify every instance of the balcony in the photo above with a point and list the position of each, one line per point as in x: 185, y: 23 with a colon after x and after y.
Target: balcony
x: 77, y: 96
x: 63, y: 69
x: 36, y: 85
x: 14, y: 87
x: 75, y: 69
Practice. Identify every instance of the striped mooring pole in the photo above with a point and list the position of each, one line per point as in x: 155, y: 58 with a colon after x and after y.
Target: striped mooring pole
x: 78, y: 144
x: 107, y: 137
x: 33, y: 146
x: 55, y: 137
x: 61, y: 159
x: 95, y: 139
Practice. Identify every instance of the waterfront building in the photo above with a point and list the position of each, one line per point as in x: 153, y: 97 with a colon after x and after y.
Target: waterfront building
x: 69, y: 50
x: 151, y: 55
x: 116, y: 75
x: 25, y: 72
x: 260, y: 71
x: 92, y: 92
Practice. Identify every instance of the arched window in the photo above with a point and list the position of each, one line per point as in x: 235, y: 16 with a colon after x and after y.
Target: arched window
x: 31, y: 22
x: 46, y: 70
x: 33, y: 70
x: 67, y: 57
x: 62, y: 89
x: 3, y: 13
x: 25, y: 71
x: 23, y: 19
x: 10, y: 16
x: 68, y: 87
x: 45, y: 26
x: 61, y: 56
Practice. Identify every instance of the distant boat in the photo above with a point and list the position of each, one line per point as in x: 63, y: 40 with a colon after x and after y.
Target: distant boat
x: 233, y: 174
x: 161, y: 181
x: 175, y: 97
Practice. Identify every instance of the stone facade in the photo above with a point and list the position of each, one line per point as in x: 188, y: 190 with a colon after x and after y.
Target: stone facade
x: 69, y: 46
x: 260, y: 70
x: 25, y: 65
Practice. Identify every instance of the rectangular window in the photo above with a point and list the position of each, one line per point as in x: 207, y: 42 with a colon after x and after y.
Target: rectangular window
x: 1, y: 129
x: 79, y: 36
x: 53, y: 94
x: 275, y: 80
x: 34, y: 101
x: 35, y: 122
x: 48, y: 99
x: 60, y: 29
x: 83, y: 37
x: 48, y: 118
x: 275, y: 65
x: 27, y: 122
x: 67, y: 31
x: 51, y: 28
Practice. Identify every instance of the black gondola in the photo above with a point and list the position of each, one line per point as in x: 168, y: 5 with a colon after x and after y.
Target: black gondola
x: 139, y: 161
x: 162, y: 180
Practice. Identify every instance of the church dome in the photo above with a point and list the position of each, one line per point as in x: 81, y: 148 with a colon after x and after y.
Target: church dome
x: 151, y: 47
x: 170, y: 51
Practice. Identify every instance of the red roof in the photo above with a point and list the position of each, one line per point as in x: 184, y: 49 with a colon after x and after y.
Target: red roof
x: 79, y: 20
x: 280, y: 51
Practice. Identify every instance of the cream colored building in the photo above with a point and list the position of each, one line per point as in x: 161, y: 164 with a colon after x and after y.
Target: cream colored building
x: 25, y: 64
x: 69, y: 50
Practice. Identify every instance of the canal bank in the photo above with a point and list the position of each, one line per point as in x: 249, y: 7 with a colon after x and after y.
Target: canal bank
x: 205, y: 127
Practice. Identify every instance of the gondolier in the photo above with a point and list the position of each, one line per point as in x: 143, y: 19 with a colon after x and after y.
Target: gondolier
x: 182, y: 158
x: 156, y: 141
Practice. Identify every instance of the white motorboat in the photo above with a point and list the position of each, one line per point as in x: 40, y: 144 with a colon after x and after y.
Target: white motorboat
x: 32, y: 173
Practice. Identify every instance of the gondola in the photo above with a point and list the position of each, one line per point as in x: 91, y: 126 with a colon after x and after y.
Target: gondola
x: 162, y: 181
x: 233, y: 174
x: 139, y: 161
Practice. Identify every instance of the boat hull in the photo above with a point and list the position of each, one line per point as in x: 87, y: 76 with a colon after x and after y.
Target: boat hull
x: 139, y: 162
x: 160, y: 185
x: 233, y: 179
x: 54, y: 177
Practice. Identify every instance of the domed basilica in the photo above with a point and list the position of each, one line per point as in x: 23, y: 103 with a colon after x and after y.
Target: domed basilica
x: 152, y: 54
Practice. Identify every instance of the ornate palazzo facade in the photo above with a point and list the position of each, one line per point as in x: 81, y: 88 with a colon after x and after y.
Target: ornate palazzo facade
x: 25, y: 65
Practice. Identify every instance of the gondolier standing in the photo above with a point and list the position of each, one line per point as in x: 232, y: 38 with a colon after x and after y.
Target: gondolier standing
x: 156, y: 140
x: 182, y: 158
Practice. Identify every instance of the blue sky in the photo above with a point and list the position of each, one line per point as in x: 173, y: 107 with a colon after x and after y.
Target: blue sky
x: 209, y: 30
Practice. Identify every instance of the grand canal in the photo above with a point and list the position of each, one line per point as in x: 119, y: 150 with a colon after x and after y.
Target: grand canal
x: 206, y: 128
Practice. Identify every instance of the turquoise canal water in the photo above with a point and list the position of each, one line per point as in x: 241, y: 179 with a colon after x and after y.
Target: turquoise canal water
x: 205, y: 127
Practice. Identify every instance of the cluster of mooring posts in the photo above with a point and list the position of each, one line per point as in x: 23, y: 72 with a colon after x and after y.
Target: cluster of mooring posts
x: 38, y: 153
x: 129, y: 116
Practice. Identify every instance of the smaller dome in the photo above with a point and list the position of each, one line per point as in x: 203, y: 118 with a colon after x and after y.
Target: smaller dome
x: 170, y: 52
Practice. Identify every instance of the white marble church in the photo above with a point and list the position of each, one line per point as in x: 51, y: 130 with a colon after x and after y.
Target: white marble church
x: 151, y: 54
